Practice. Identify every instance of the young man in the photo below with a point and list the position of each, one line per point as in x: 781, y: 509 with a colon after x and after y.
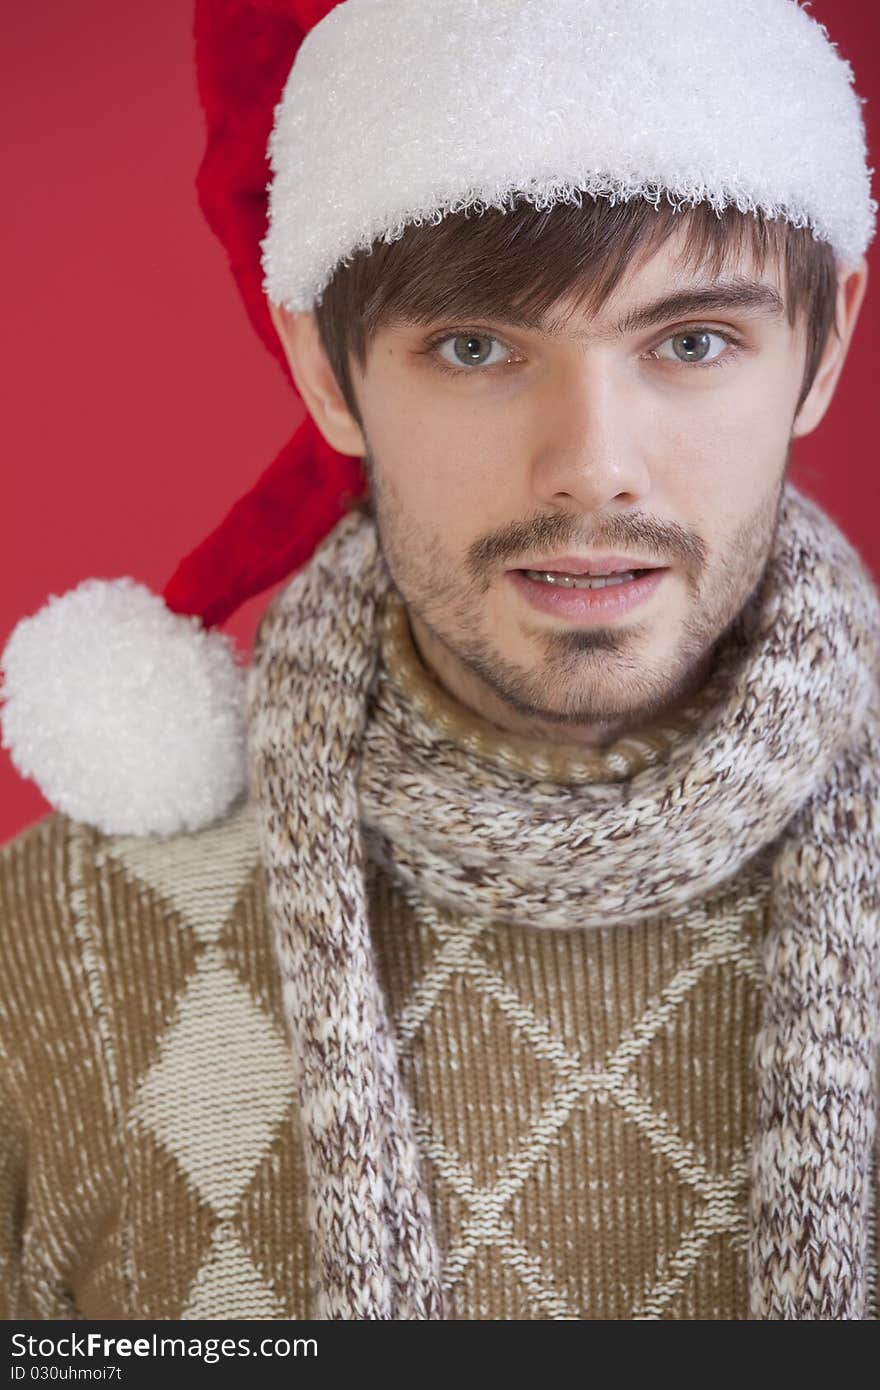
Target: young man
x: 536, y: 975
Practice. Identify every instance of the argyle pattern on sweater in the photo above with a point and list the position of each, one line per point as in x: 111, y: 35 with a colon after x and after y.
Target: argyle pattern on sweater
x: 582, y: 1099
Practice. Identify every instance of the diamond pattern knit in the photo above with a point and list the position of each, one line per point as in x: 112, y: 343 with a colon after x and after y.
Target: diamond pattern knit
x: 582, y: 1100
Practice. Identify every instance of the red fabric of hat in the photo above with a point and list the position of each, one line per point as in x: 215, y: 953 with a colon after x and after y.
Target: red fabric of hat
x: 244, y: 50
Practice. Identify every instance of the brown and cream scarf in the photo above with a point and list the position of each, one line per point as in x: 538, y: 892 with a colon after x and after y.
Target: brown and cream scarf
x: 787, y: 750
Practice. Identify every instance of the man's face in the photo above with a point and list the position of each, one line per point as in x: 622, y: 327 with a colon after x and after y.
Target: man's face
x: 587, y: 444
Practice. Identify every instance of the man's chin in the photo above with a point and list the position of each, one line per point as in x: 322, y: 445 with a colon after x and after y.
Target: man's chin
x: 595, y: 713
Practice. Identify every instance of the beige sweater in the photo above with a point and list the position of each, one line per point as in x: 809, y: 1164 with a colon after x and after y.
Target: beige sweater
x: 582, y: 1098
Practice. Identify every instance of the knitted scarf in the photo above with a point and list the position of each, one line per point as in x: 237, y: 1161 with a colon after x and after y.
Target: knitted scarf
x: 787, y: 751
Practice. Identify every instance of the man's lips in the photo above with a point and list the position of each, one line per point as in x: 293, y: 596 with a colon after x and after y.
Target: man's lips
x: 585, y: 605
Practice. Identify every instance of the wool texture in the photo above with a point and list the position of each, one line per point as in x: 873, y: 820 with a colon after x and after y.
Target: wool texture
x: 616, y: 99
x: 786, y: 754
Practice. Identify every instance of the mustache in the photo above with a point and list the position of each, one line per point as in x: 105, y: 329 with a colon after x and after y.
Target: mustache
x: 665, y: 542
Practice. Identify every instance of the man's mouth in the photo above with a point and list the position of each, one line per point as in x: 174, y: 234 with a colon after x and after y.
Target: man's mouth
x: 587, y: 599
x: 584, y: 581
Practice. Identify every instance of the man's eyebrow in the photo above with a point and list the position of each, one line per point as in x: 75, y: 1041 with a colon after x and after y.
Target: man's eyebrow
x: 744, y: 296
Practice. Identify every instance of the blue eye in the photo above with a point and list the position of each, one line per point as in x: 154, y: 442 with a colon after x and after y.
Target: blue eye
x: 696, y: 345
x: 471, y: 354
x: 469, y: 349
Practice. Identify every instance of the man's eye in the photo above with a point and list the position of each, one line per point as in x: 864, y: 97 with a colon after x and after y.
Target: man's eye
x: 694, y: 347
x: 471, y: 351
x: 468, y: 351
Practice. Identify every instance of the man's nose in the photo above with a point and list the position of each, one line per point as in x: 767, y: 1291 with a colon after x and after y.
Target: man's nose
x: 589, y: 437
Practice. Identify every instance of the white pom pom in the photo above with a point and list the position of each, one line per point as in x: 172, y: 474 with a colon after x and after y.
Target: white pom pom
x: 127, y: 716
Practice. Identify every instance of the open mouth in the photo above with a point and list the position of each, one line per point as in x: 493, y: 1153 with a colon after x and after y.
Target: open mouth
x: 585, y: 598
x: 584, y: 581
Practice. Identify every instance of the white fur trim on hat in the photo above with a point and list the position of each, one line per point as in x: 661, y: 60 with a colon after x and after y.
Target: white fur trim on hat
x: 400, y: 111
x: 127, y: 716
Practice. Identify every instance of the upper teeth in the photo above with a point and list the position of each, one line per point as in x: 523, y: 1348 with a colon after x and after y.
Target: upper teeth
x: 581, y: 581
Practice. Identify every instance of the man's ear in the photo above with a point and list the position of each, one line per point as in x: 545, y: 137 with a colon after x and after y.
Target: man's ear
x: 852, y: 281
x: 315, y: 380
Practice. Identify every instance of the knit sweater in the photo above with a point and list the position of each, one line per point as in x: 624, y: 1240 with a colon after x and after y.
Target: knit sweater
x: 582, y: 1098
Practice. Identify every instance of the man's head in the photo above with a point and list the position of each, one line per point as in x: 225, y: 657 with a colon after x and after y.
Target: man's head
x: 513, y: 404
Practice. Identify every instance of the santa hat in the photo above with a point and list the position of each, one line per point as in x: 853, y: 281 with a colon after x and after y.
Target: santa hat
x: 330, y: 127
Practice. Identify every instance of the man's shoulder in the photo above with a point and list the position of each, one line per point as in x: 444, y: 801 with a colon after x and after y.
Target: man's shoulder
x: 59, y: 871
x: 34, y: 870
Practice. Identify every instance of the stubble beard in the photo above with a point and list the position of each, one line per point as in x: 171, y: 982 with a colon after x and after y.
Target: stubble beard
x: 561, y: 692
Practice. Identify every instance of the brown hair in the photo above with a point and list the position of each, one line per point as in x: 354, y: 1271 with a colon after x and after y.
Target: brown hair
x: 484, y: 265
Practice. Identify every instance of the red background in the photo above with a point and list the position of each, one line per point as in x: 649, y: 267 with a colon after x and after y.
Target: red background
x: 138, y: 401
